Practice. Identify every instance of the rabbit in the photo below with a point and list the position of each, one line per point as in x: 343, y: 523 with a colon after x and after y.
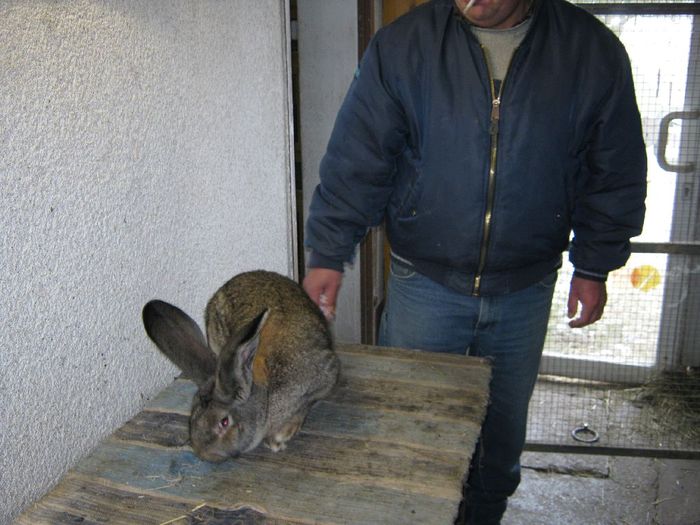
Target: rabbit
x: 268, y: 358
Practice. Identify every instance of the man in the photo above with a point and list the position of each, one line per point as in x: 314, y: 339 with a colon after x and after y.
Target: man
x: 483, y: 134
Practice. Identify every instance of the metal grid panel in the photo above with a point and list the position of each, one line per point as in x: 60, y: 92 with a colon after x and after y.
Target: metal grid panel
x: 634, y: 377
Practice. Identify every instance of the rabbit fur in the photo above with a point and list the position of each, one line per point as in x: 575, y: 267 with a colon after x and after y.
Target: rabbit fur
x: 267, y: 359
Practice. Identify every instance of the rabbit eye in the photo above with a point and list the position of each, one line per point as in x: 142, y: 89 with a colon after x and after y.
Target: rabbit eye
x: 225, y: 422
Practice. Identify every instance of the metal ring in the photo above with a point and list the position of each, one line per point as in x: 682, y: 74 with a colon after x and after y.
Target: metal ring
x: 585, y: 434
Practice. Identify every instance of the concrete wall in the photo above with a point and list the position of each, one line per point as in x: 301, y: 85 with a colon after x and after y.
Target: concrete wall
x: 327, y: 62
x: 144, y: 153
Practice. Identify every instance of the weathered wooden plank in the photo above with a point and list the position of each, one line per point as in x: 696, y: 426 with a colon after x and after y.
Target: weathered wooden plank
x: 177, y: 397
x: 393, y: 465
x: 367, y: 371
x: 89, y: 501
x: 161, y: 428
x: 439, y: 402
x: 417, y: 430
x: 372, y: 352
x: 422, y: 468
x: 364, y: 365
x: 278, y: 490
x: 415, y: 367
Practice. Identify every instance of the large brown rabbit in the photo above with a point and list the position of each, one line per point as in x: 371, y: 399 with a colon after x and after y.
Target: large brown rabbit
x: 269, y: 358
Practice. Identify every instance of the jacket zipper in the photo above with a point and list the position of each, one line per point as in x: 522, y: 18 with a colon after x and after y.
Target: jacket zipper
x: 491, y: 187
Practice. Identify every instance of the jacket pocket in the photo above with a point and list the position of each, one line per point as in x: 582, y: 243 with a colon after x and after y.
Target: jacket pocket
x: 409, y: 191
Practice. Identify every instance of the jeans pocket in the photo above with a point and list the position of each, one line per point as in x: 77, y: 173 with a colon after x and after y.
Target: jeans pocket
x: 401, y: 270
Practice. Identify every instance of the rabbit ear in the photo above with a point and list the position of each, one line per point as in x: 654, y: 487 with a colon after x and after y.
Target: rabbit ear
x: 235, y: 373
x: 177, y: 335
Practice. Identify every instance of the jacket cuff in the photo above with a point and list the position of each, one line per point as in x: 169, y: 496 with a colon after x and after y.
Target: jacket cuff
x: 317, y: 260
x: 591, y: 276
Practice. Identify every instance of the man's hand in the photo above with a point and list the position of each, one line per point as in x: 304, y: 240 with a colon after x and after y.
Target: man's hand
x: 592, y: 295
x: 322, y: 285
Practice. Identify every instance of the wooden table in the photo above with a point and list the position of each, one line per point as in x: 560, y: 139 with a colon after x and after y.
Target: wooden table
x: 391, y: 445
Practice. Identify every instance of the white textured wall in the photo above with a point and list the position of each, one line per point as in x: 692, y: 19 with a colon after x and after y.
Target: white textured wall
x: 327, y: 63
x: 144, y: 152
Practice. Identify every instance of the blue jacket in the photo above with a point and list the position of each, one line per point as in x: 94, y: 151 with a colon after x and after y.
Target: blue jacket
x: 477, y: 191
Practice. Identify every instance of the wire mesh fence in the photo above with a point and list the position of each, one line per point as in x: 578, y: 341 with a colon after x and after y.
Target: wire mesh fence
x: 631, y: 382
x: 624, y: 378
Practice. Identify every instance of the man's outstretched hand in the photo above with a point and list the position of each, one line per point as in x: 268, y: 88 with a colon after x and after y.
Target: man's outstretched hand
x: 592, y: 295
x: 322, y: 285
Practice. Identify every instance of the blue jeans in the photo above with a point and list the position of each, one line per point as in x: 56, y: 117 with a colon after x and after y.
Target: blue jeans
x: 509, y: 330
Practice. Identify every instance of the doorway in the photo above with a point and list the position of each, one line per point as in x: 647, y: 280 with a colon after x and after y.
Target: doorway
x: 650, y: 330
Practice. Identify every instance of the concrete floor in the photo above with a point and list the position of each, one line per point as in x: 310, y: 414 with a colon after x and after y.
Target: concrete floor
x: 579, y: 489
